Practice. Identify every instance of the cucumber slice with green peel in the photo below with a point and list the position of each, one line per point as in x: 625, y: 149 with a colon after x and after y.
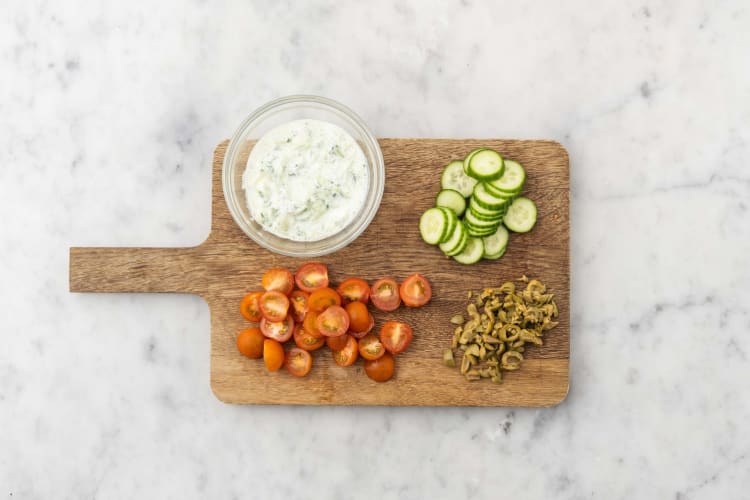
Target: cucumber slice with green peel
x: 476, y: 233
x: 486, y: 200
x: 451, y: 199
x: 495, y: 256
x: 486, y: 165
x: 521, y: 215
x: 481, y: 230
x: 455, y: 178
x: 512, y: 179
x: 461, y: 245
x: 457, y: 241
x: 472, y: 253
x: 485, y: 212
x: 452, y: 222
x: 470, y: 218
x: 433, y: 225
x: 496, y: 243
x: 486, y: 218
x: 466, y: 161
x: 500, y: 194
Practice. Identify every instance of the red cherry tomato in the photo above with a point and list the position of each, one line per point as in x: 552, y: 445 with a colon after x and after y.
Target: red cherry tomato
x: 298, y: 362
x: 348, y: 355
x: 381, y: 369
x: 396, y: 336
x: 250, y: 342
x: 323, y: 298
x: 333, y: 322
x: 273, y: 354
x: 278, y: 330
x: 274, y: 306
x: 384, y: 294
x: 359, y: 317
x: 298, y: 302
x: 370, y: 347
x: 415, y: 291
x: 370, y: 326
x: 250, y: 306
x: 354, y: 290
x: 312, y: 276
x: 278, y: 280
x: 337, y: 343
x: 306, y: 341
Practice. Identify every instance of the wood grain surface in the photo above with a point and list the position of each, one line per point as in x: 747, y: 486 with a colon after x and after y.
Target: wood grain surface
x: 228, y: 264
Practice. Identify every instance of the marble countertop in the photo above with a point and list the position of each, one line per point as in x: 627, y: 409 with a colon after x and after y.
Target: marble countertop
x: 108, y: 118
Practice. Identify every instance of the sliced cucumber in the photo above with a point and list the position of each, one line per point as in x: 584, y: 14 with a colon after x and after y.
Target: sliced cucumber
x: 495, y: 244
x: 481, y: 230
x: 465, y: 163
x: 487, y: 220
x: 501, y: 194
x: 452, y: 222
x: 472, y: 253
x: 511, y: 181
x: 485, y: 199
x: 521, y: 215
x: 457, y: 241
x: 484, y: 213
x: 461, y: 245
x: 495, y: 256
x: 486, y: 165
x: 452, y: 199
x: 478, y: 204
x: 479, y: 233
x: 455, y: 178
x: 470, y: 218
x: 433, y: 225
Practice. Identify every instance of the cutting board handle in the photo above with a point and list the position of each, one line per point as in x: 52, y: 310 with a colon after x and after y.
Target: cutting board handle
x: 102, y: 269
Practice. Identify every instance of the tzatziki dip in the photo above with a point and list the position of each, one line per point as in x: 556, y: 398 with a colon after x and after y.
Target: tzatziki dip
x: 305, y: 180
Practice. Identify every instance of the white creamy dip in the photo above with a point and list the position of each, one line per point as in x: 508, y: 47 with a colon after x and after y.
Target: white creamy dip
x: 305, y: 180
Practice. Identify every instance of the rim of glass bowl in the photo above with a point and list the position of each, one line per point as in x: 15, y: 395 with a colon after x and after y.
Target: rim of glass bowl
x: 313, y: 248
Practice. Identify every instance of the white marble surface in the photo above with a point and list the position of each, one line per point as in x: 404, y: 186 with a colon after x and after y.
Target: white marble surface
x: 108, y: 117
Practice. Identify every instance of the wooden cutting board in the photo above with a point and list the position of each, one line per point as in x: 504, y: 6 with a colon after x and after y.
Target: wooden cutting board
x: 228, y: 264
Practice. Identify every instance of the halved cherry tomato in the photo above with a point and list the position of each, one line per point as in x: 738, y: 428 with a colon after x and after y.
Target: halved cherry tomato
x: 312, y: 276
x: 311, y: 325
x: 384, y: 294
x: 278, y: 330
x: 337, y: 343
x: 278, y: 280
x: 333, y: 322
x: 395, y: 336
x: 323, y: 298
x: 354, y: 290
x: 250, y: 342
x: 298, y: 362
x: 415, y: 291
x: 274, y: 305
x: 273, y: 355
x: 381, y: 369
x: 370, y: 347
x: 359, y: 317
x: 370, y: 326
x: 298, y: 301
x: 250, y: 306
x: 306, y: 341
x: 348, y: 355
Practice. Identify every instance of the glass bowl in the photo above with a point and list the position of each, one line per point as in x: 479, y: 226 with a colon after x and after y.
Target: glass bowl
x: 272, y: 115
